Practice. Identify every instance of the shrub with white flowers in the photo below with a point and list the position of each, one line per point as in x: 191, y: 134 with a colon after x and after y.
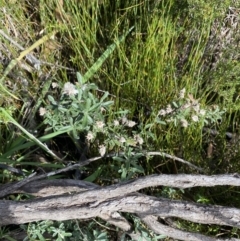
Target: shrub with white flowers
x: 188, y: 111
x: 86, y: 114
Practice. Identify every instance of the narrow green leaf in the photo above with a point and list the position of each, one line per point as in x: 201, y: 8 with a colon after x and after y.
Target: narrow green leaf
x: 29, y: 135
x: 104, y: 96
x: 80, y: 79
x: 104, y: 56
x: 51, y: 99
x: 175, y: 104
x: 88, y: 104
x: 105, y: 104
x: 85, y: 120
x: 94, y: 176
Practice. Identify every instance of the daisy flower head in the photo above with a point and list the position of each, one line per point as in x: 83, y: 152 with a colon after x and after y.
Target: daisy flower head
x: 116, y: 123
x: 195, y: 118
x: 102, y: 150
x: 54, y: 85
x: 122, y: 139
x: 89, y: 136
x: 69, y: 89
x: 124, y: 120
x: 100, y: 124
x: 162, y: 112
x: 130, y: 123
x: 42, y: 111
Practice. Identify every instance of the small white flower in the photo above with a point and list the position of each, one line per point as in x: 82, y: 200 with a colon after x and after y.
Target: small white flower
x: 54, y: 85
x: 162, y: 112
x: 122, y: 140
x: 42, y: 111
x: 202, y: 112
x: 100, y: 124
x: 124, y: 120
x: 116, y: 123
x: 102, y: 150
x: 184, y: 123
x: 138, y: 139
x: 89, y: 136
x: 169, y: 109
x: 182, y: 93
x: 131, y: 123
x: 69, y: 89
x: 195, y: 118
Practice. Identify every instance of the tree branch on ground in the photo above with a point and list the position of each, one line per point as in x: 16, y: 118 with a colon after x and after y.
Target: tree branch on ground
x: 63, y: 199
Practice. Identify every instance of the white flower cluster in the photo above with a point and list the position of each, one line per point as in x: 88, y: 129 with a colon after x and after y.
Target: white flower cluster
x: 102, y: 150
x: 100, y: 124
x: 137, y: 139
x: 42, y: 111
x: 90, y: 120
x: 90, y: 136
x: 127, y: 122
x: 69, y: 89
x: 188, y: 106
x: 124, y: 140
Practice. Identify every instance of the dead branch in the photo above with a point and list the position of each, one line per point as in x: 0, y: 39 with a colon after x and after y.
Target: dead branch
x: 7, y: 189
x: 45, y: 208
x: 46, y: 188
x: 175, y: 158
x: 159, y: 228
x: 74, y: 199
x: 176, y: 181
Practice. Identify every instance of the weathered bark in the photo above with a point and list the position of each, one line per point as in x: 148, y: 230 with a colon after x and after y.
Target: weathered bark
x: 73, y: 199
x: 120, y: 189
x: 8, y: 189
x: 67, y: 207
x: 159, y: 228
x: 46, y: 188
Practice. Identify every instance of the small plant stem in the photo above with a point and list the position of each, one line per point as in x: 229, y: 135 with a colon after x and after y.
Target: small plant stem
x: 29, y: 135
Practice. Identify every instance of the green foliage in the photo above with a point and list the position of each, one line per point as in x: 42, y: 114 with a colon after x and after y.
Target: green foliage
x: 4, y: 234
x: 80, y: 109
x: 142, y: 70
x: 171, y: 193
x: 146, y: 234
x: 37, y: 231
x: 67, y: 231
x: 28, y: 134
x: 188, y: 110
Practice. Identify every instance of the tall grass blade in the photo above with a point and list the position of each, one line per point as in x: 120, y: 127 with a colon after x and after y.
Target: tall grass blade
x: 29, y: 135
x: 45, y: 138
x: 104, y: 56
